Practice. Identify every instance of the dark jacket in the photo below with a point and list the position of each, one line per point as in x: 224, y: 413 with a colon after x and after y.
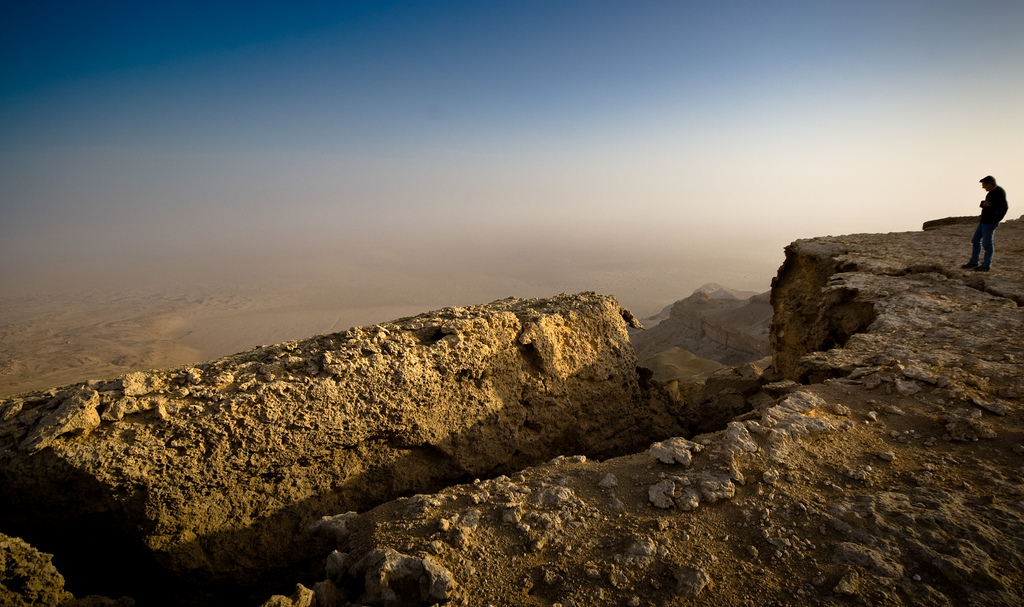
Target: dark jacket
x: 997, y: 208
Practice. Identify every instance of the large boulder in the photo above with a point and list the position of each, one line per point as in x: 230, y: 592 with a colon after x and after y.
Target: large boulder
x: 200, y: 480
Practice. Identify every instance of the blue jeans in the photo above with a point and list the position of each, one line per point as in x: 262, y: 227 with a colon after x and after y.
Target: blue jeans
x: 983, y: 239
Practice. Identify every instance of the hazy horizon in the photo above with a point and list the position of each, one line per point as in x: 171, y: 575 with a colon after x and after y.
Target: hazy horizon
x: 444, y: 152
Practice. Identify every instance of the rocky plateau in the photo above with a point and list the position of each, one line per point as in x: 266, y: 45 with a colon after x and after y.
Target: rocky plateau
x: 514, y: 454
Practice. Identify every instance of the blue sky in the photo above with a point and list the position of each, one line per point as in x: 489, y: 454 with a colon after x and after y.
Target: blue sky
x: 693, y: 131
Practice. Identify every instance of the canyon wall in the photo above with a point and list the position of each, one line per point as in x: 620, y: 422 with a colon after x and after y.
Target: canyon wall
x: 730, y: 331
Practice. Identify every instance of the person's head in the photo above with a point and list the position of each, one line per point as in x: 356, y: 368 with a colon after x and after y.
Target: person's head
x: 988, y: 182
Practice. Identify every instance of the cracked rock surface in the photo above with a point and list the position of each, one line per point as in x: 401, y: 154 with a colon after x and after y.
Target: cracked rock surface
x: 204, y: 478
x: 882, y: 468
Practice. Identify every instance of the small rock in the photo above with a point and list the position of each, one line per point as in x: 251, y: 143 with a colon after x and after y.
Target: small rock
x: 334, y: 527
x: 513, y: 515
x: 674, y: 450
x: 849, y: 584
x: 691, y: 581
x: 553, y: 496
x: 609, y: 481
x: 662, y: 494
x: 907, y: 387
x: 642, y: 547
x: 302, y: 597
x: 838, y: 409
x: 551, y: 578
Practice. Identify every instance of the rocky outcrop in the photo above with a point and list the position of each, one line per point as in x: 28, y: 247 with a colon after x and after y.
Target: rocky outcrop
x: 877, y: 460
x: 29, y: 579
x: 711, y: 324
x: 846, y: 296
x: 199, y: 481
x: 884, y: 470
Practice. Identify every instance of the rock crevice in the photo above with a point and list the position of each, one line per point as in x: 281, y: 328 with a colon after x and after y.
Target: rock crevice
x: 188, y: 469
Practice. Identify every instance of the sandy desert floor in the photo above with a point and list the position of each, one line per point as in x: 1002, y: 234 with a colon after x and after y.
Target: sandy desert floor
x: 57, y: 339
x: 104, y: 320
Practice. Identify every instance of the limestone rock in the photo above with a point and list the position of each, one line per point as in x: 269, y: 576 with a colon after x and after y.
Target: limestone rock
x: 29, y: 579
x: 675, y: 450
x: 195, y: 466
x: 815, y: 491
x: 691, y: 581
x: 396, y: 580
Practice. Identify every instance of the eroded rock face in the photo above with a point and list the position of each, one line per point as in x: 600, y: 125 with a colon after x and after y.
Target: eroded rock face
x: 728, y: 330
x: 206, y: 477
x: 899, y: 307
x: 886, y: 469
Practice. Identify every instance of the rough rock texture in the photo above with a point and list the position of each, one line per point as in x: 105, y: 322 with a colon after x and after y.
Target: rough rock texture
x: 200, y: 480
x: 29, y: 579
x: 884, y: 470
x: 713, y: 325
x: 897, y: 297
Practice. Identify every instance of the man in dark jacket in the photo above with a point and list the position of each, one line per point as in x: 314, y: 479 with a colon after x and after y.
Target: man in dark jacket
x: 993, y: 209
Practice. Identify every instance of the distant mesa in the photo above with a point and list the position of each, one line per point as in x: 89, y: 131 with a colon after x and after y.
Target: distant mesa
x: 715, y: 324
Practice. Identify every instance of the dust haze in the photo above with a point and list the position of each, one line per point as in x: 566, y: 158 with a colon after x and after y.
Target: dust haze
x: 88, y: 307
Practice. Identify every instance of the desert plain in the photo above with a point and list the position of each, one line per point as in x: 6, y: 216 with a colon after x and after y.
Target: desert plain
x: 64, y: 320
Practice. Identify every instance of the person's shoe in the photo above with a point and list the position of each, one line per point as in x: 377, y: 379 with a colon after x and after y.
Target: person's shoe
x: 968, y: 266
x: 981, y: 269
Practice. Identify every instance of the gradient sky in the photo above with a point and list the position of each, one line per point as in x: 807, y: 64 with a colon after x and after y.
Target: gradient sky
x: 710, y: 133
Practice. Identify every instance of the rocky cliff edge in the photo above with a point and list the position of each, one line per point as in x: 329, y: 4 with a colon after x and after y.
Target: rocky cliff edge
x: 199, y: 482
x: 884, y: 468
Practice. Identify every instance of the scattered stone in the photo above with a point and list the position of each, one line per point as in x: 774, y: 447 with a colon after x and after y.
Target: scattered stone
x: 674, y: 451
x: 691, y: 582
x: 967, y: 425
x: 838, y: 409
x: 393, y: 579
x: 302, y: 597
x: 849, y: 585
x: 662, y: 494
x: 907, y: 388
x: 992, y: 407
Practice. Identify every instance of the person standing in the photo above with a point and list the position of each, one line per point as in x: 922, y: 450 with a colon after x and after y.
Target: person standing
x: 993, y: 209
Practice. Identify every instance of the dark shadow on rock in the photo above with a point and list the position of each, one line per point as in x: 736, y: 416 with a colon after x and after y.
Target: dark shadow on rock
x: 535, y: 412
